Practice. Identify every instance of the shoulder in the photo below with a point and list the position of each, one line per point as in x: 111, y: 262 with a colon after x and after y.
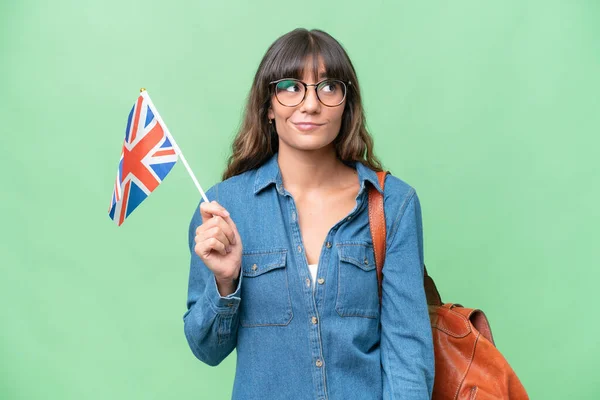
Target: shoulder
x: 397, y: 193
x: 401, y: 204
x: 238, y: 186
x: 234, y: 194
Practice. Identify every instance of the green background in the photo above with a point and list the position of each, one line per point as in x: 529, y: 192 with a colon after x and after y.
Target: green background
x: 489, y: 109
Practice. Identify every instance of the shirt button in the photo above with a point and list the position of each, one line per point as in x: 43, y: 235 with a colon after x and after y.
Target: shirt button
x: 299, y: 249
x: 328, y: 245
x: 319, y: 363
x: 254, y: 267
x: 321, y: 281
x: 307, y: 282
x: 366, y: 261
x: 349, y: 218
x: 314, y: 320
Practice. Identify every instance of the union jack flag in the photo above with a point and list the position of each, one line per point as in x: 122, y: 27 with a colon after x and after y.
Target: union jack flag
x: 147, y: 157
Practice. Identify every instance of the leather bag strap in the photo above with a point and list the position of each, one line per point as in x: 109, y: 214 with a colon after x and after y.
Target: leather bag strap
x: 377, y: 225
x: 378, y: 234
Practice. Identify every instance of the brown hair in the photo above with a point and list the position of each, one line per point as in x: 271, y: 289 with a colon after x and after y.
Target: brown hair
x: 257, y: 141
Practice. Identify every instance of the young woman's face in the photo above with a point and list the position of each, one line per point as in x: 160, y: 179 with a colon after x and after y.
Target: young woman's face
x: 310, y: 125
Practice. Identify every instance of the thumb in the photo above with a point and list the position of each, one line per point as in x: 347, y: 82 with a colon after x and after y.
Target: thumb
x: 208, y: 210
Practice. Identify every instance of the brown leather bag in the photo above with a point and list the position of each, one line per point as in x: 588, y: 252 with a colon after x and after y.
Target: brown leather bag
x: 467, y: 363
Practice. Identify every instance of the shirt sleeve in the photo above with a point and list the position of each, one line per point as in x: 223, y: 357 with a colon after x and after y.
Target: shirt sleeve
x: 407, y: 354
x: 211, y: 320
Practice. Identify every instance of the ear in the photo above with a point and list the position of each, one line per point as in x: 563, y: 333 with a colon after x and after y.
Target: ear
x: 270, y: 113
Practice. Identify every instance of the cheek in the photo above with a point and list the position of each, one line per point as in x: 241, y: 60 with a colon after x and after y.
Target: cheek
x: 280, y: 112
x: 337, y: 115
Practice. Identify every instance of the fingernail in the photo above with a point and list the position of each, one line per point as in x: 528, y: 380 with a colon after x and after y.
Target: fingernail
x: 228, y: 249
x: 226, y: 213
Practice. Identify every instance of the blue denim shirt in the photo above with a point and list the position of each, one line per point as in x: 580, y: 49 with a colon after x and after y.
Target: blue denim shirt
x: 334, y: 342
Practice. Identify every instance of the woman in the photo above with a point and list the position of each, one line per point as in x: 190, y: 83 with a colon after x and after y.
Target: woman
x: 291, y: 284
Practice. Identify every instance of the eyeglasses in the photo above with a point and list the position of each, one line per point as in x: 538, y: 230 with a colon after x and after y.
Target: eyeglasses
x: 290, y: 92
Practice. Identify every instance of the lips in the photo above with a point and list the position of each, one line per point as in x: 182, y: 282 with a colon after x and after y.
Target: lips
x: 306, y: 126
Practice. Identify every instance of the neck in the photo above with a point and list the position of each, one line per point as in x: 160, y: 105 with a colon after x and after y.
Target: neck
x: 306, y: 170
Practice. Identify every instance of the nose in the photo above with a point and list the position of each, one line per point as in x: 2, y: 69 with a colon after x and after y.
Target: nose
x: 311, y: 103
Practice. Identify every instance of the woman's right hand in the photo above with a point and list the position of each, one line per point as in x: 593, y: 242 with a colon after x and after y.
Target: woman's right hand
x: 219, y: 245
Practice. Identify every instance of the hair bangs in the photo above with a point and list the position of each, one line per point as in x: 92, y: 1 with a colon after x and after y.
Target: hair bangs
x: 299, y: 51
x: 290, y: 60
x: 336, y: 64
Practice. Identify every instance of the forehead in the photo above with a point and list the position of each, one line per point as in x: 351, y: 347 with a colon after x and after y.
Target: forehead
x: 307, y: 69
x: 314, y: 72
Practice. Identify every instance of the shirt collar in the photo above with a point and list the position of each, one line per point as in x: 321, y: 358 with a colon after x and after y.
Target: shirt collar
x: 268, y: 173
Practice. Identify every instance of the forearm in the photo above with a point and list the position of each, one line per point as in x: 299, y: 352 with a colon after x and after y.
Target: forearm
x: 211, y: 323
x: 407, y: 354
x: 226, y: 287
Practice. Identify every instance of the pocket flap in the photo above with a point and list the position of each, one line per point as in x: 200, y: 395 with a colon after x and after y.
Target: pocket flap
x: 255, y: 263
x: 359, y: 254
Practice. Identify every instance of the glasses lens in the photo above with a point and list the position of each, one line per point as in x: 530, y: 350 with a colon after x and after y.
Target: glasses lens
x: 289, y: 92
x: 331, y: 92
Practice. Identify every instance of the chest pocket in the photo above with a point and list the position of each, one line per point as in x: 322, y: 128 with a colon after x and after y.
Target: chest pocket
x: 265, y: 292
x: 357, y: 294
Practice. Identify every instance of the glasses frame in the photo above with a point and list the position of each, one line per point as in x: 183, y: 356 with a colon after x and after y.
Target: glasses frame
x: 306, y: 85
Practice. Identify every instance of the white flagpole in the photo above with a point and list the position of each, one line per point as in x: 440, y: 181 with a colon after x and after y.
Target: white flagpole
x: 146, y: 96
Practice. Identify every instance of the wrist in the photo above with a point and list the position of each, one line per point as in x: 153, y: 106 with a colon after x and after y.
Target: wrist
x: 227, y: 285
x: 228, y: 278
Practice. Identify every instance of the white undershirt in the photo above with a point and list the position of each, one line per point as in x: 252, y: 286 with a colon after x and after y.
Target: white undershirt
x: 313, y: 273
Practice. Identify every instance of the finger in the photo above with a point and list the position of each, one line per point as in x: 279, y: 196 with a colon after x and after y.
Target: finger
x: 204, y: 227
x: 217, y: 221
x: 226, y: 229
x: 217, y: 246
x: 212, y: 229
x: 224, y: 212
x: 215, y: 207
x: 211, y: 244
x: 234, y: 230
x: 201, y: 233
x: 224, y: 216
x: 208, y: 210
x: 217, y: 233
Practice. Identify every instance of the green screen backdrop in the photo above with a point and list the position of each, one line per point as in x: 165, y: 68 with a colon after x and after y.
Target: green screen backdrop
x: 489, y: 109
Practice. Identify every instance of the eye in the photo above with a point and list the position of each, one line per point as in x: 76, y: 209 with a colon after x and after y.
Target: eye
x: 289, y: 86
x: 329, y: 86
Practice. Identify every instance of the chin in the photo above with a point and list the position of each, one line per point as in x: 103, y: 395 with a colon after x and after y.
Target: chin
x: 305, y: 141
x: 308, y: 145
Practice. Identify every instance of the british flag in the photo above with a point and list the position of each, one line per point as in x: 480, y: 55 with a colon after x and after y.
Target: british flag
x: 147, y: 157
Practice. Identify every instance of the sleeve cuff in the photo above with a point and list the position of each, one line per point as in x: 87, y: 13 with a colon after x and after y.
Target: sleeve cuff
x: 223, y: 304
